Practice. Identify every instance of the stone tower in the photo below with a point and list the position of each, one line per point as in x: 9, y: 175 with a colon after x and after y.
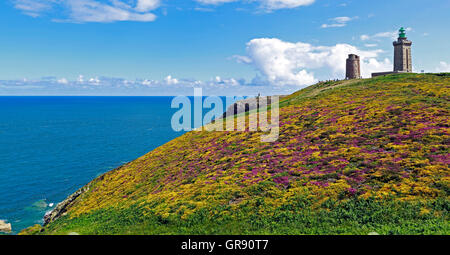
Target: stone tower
x: 353, y: 67
x: 402, y: 53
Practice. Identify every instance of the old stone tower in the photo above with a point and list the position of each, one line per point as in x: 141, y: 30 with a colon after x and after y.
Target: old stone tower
x: 353, y: 67
x: 402, y: 53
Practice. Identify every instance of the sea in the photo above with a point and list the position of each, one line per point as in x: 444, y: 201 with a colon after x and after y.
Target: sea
x: 52, y: 146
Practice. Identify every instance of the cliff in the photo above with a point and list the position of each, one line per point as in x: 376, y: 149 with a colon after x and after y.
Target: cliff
x: 353, y: 157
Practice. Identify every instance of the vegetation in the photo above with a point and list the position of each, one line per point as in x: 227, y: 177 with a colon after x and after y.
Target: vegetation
x: 353, y: 157
x: 353, y: 216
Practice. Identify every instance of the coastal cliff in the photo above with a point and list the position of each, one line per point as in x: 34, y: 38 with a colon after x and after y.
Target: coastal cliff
x: 353, y: 157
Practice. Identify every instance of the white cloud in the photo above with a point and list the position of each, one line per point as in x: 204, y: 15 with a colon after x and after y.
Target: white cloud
x: 121, y: 87
x: 203, y: 9
x: 365, y: 37
x: 95, y: 81
x: 80, y: 78
x: 33, y: 8
x: 226, y: 82
x: 339, y: 22
x: 443, y: 67
x: 241, y: 59
x: 372, y: 65
x: 266, y: 4
x: 282, y: 63
x: 390, y: 34
x: 63, y: 81
x: 124, y: 10
x: 147, y: 5
x: 333, y: 25
x: 342, y: 19
x: 215, y: 2
x: 147, y: 82
x: 284, y: 4
x: 170, y: 81
x: 92, y: 10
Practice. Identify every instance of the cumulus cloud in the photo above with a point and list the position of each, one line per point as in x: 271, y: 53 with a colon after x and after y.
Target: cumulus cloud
x: 92, y: 10
x: 266, y: 4
x: 171, y: 81
x: 231, y: 82
x: 372, y: 65
x: 443, y: 67
x: 282, y: 63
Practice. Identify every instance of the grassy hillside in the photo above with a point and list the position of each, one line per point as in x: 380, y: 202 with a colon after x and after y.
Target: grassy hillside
x: 353, y: 157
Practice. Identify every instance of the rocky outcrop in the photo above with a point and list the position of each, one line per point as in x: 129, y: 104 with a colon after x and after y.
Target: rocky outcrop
x: 62, y: 207
x: 247, y: 105
x: 5, y: 227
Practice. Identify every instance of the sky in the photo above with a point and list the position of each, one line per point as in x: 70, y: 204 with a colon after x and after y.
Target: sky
x: 226, y: 47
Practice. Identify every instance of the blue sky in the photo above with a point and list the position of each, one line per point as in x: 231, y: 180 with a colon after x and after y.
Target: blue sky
x: 166, y: 47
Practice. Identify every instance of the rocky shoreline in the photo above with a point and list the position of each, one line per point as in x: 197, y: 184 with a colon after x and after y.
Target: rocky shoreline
x: 62, y: 207
x: 5, y: 227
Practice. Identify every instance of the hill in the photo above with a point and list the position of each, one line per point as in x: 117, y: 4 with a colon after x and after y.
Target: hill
x: 353, y: 157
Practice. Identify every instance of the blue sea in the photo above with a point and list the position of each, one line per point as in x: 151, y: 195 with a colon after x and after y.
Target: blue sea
x: 52, y: 146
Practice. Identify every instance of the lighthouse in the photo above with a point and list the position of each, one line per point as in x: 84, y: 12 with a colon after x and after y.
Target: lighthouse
x: 402, y: 53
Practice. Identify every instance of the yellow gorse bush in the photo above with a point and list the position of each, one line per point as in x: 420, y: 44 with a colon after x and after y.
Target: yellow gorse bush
x: 381, y: 138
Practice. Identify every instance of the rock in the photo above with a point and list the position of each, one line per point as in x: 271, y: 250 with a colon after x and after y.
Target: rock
x: 62, y: 207
x: 247, y: 105
x: 5, y: 227
x: 373, y: 234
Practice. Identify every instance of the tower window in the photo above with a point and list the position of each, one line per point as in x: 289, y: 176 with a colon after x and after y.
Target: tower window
x: 407, y: 60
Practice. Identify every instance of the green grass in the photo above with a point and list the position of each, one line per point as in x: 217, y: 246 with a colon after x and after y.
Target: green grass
x: 354, y: 216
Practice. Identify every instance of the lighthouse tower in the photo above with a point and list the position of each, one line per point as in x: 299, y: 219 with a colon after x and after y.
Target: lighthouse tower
x: 402, y: 53
x: 353, y: 67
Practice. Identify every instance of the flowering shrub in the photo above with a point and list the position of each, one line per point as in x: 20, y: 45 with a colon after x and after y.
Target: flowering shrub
x: 385, y: 138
